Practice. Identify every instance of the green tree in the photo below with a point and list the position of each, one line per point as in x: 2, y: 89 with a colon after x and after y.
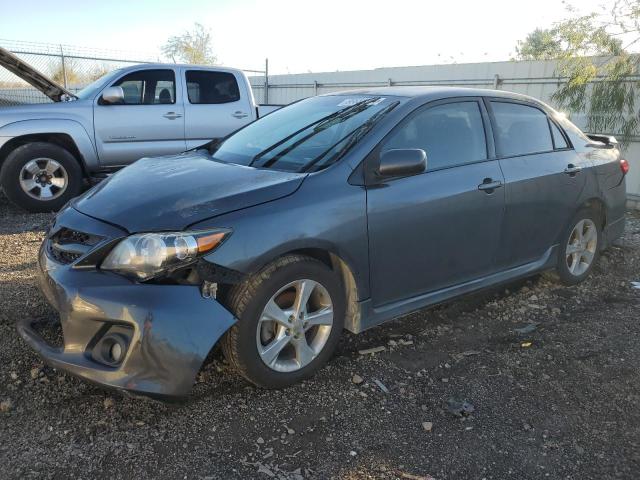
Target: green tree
x: 541, y: 44
x: 598, y: 68
x: 191, y: 47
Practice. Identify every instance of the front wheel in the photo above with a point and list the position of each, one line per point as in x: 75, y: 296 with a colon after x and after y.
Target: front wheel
x: 41, y: 177
x: 579, y: 248
x: 290, y: 317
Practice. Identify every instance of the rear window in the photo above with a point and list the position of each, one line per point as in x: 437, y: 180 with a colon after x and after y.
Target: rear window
x: 521, y: 129
x: 204, y: 87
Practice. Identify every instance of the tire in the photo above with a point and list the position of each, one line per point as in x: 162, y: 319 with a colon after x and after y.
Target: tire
x: 27, y: 165
x: 242, y: 343
x: 575, y: 268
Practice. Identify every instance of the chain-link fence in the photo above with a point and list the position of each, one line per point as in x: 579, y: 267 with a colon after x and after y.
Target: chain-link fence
x: 70, y: 66
x: 73, y: 67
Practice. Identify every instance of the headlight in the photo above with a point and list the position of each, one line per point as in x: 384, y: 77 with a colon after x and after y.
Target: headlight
x: 147, y: 255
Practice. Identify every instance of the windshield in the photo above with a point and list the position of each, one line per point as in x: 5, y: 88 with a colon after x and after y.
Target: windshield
x: 306, y: 136
x: 93, y: 87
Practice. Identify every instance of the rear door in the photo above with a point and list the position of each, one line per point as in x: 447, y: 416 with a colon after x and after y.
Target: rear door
x: 216, y: 105
x: 442, y: 227
x: 543, y: 179
x: 150, y: 122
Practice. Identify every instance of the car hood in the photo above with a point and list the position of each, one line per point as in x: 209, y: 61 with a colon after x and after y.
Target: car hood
x: 32, y: 76
x: 171, y: 193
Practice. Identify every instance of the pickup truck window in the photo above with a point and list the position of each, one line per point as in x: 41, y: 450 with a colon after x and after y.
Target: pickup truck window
x: 206, y: 87
x: 148, y: 87
x: 306, y: 136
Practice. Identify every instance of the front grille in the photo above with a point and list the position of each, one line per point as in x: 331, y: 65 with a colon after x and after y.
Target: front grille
x: 67, y: 245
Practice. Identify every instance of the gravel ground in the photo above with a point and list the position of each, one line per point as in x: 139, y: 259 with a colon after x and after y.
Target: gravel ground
x: 551, y: 373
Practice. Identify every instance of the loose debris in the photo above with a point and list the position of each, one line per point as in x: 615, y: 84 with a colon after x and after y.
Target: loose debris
x: 531, y: 327
x: 381, y: 386
x: 371, y: 351
x: 459, y: 408
x: 427, y: 426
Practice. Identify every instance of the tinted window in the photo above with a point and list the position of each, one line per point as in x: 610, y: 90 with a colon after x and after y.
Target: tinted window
x: 521, y: 129
x: 558, y: 138
x: 148, y: 87
x: 451, y: 134
x: 211, y: 87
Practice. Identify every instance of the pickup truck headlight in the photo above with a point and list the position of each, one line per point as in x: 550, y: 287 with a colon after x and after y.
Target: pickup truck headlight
x: 148, y: 255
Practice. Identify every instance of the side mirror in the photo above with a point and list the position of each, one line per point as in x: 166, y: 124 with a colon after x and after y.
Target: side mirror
x: 113, y: 96
x: 402, y: 162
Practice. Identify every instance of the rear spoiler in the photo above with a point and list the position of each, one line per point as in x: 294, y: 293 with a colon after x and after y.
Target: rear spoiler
x: 33, y: 77
x: 602, y: 141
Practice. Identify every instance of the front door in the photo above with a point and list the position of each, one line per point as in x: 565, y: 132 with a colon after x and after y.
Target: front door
x: 442, y: 227
x: 150, y: 122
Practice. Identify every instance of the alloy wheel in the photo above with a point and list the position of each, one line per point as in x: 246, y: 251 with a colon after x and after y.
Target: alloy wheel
x: 294, y: 325
x: 43, y: 179
x: 581, y: 247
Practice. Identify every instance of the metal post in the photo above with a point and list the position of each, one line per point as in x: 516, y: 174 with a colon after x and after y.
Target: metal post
x: 265, y: 96
x: 64, y: 70
x: 496, y: 81
x: 389, y: 83
x: 315, y: 88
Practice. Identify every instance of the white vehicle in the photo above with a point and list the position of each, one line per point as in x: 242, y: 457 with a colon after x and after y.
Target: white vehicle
x: 49, y: 150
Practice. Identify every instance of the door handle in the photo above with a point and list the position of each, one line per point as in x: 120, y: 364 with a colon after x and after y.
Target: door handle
x: 172, y: 115
x: 240, y: 114
x: 572, y: 169
x: 488, y: 185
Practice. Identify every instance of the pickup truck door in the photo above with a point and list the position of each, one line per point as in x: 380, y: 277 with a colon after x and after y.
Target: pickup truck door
x: 150, y: 122
x: 217, y: 102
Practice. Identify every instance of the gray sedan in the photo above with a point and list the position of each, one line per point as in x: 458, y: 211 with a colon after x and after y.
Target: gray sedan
x: 337, y: 212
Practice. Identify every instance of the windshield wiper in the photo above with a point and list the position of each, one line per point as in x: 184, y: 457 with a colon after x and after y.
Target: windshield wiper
x: 351, y: 139
x: 320, y: 125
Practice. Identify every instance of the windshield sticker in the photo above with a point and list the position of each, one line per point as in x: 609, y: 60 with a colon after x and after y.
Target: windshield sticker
x: 348, y: 102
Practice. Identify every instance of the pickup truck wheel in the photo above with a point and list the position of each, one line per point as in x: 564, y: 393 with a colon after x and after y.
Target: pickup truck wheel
x: 290, y: 318
x: 41, y: 177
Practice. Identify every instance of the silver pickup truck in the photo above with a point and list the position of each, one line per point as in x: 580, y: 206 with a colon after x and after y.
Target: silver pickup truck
x: 49, y: 151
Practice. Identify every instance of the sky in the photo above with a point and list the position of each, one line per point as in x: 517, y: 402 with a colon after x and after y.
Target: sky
x: 297, y: 36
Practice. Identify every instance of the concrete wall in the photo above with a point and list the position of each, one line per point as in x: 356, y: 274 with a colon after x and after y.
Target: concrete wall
x: 535, y: 78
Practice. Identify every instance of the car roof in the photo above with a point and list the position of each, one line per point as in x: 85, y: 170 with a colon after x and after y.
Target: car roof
x: 437, y: 92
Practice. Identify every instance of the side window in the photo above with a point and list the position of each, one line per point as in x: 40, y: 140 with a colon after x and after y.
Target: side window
x: 451, y: 134
x: 148, y: 87
x: 211, y: 87
x: 559, y: 141
x: 521, y: 129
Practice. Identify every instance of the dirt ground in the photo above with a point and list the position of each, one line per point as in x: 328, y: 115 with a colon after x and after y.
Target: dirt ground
x: 551, y: 372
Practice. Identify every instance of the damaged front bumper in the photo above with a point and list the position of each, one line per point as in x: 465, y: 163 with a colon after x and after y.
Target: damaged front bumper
x: 163, y: 332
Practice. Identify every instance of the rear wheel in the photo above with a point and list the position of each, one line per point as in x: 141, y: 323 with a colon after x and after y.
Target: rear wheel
x: 579, y: 248
x: 41, y: 177
x: 290, y: 317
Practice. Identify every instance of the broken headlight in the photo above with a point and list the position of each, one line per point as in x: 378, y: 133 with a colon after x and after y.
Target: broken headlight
x: 148, y: 255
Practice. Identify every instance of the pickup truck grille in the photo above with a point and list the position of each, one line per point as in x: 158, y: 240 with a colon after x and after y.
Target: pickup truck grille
x: 66, y: 245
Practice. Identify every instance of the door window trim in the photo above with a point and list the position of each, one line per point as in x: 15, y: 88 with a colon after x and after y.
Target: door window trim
x: 113, y: 83
x: 492, y: 118
x: 371, y: 160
